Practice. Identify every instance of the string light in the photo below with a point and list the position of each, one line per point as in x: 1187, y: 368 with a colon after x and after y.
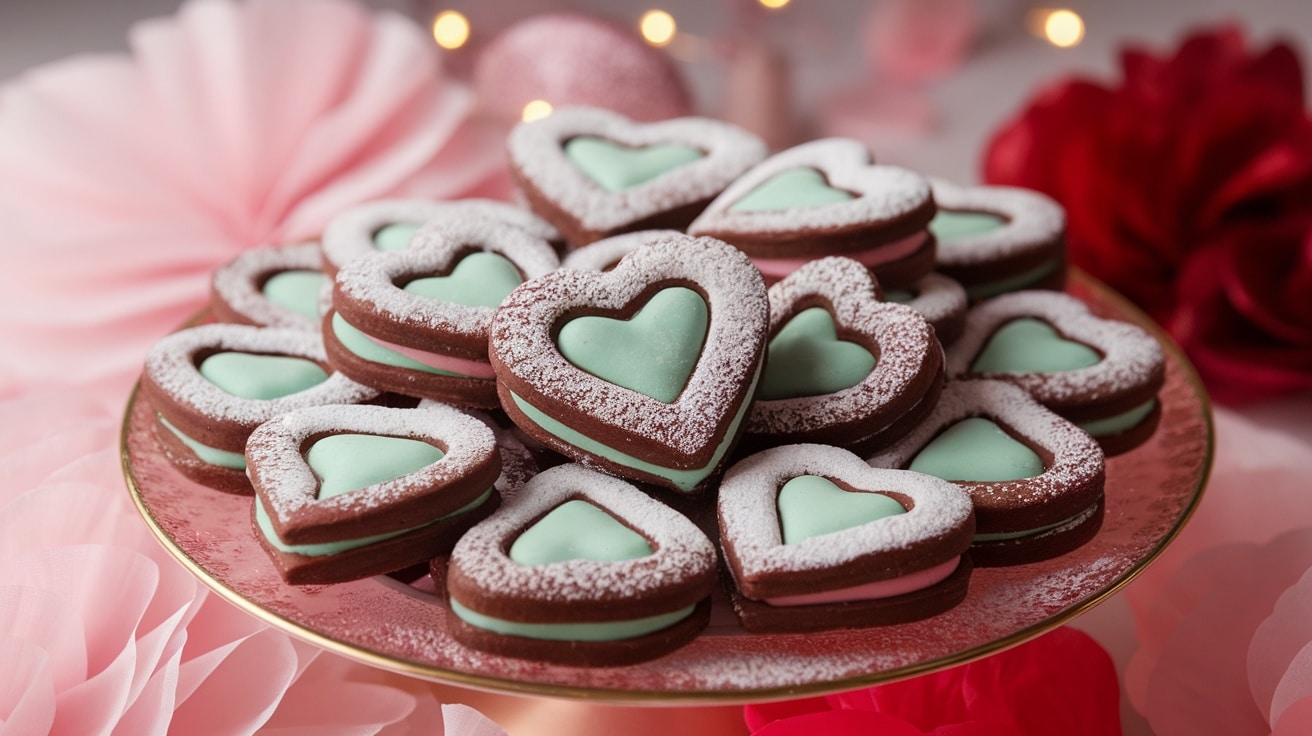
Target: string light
x: 535, y: 110
x: 450, y: 29
x: 774, y: 4
x: 657, y: 27
x: 1062, y: 27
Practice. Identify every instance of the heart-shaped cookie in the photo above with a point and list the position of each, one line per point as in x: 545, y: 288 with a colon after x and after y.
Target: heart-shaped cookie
x: 593, y: 173
x: 1026, y: 510
x: 583, y: 569
x: 677, y: 439
x: 212, y: 385
x: 389, y: 225
x: 272, y: 287
x: 344, y: 492
x: 815, y: 538
x: 999, y: 239
x: 843, y: 368
x: 330, y: 473
x: 827, y: 197
x: 1101, y: 374
x: 415, y: 321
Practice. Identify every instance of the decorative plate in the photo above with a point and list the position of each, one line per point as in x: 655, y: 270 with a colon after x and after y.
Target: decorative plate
x: 1151, y: 492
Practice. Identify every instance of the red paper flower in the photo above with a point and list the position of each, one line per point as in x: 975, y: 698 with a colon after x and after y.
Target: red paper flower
x: 1063, y: 682
x: 1188, y: 188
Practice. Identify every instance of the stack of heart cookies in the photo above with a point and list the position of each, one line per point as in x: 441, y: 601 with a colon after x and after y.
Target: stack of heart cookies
x: 825, y: 385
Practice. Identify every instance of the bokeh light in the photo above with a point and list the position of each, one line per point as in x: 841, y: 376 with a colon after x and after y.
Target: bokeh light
x: 535, y: 110
x: 1064, y: 28
x: 450, y: 29
x: 657, y: 27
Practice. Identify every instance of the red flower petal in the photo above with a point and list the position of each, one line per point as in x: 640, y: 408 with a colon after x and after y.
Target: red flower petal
x: 1062, y: 682
x: 1188, y: 188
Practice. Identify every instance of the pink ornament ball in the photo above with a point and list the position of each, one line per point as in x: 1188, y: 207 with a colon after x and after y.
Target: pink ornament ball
x: 574, y: 59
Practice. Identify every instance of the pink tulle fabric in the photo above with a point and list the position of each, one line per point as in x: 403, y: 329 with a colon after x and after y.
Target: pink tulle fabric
x: 101, y: 632
x: 126, y: 180
x: 1224, y: 618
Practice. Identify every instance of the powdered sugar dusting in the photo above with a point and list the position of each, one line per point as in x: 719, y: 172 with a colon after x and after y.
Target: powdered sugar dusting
x: 1131, y: 358
x: 940, y: 299
x: 680, y: 549
x: 286, y: 484
x: 886, y: 193
x: 537, y: 151
x: 523, y: 348
x: 238, y: 283
x: 368, y: 284
x: 749, y: 511
x: 350, y: 234
x: 906, y: 350
x: 171, y: 364
x: 1035, y: 222
x: 1077, y: 460
x: 605, y: 253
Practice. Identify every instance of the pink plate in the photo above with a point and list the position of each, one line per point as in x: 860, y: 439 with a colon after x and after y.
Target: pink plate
x: 1151, y: 491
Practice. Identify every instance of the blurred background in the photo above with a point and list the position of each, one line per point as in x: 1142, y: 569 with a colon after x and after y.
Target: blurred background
x: 923, y: 82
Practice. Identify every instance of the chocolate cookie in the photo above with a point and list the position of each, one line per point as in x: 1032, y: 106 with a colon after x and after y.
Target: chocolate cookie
x: 999, y: 239
x: 580, y: 569
x: 645, y: 371
x: 212, y: 385
x: 1101, y: 374
x: 843, y: 368
x: 415, y: 322
x: 594, y: 173
x: 272, y: 287
x: 1035, y: 478
x: 344, y: 492
x: 827, y: 197
x: 816, y: 539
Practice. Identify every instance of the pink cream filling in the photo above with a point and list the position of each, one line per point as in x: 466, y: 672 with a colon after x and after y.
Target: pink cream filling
x: 471, y: 368
x: 872, y: 591
x: 777, y: 268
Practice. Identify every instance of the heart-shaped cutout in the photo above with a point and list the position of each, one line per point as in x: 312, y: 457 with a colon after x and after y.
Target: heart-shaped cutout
x: 810, y: 506
x: 478, y: 280
x: 578, y: 530
x: 806, y: 358
x: 1028, y: 345
x: 796, y: 188
x: 369, y: 470
x: 396, y: 236
x: 977, y: 449
x: 262, y: 377
x: 617, y: 167
x: 948, y: 225
x: 297, y: 291
x: 671, y: 424
x: 593, y: 173
x: 652, y: 352
x: 349, y: 462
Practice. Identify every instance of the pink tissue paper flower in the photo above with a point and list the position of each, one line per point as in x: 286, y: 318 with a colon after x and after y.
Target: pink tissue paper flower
x: 101, y: 632
x: 1224, y: 617
x: 124, y: 180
